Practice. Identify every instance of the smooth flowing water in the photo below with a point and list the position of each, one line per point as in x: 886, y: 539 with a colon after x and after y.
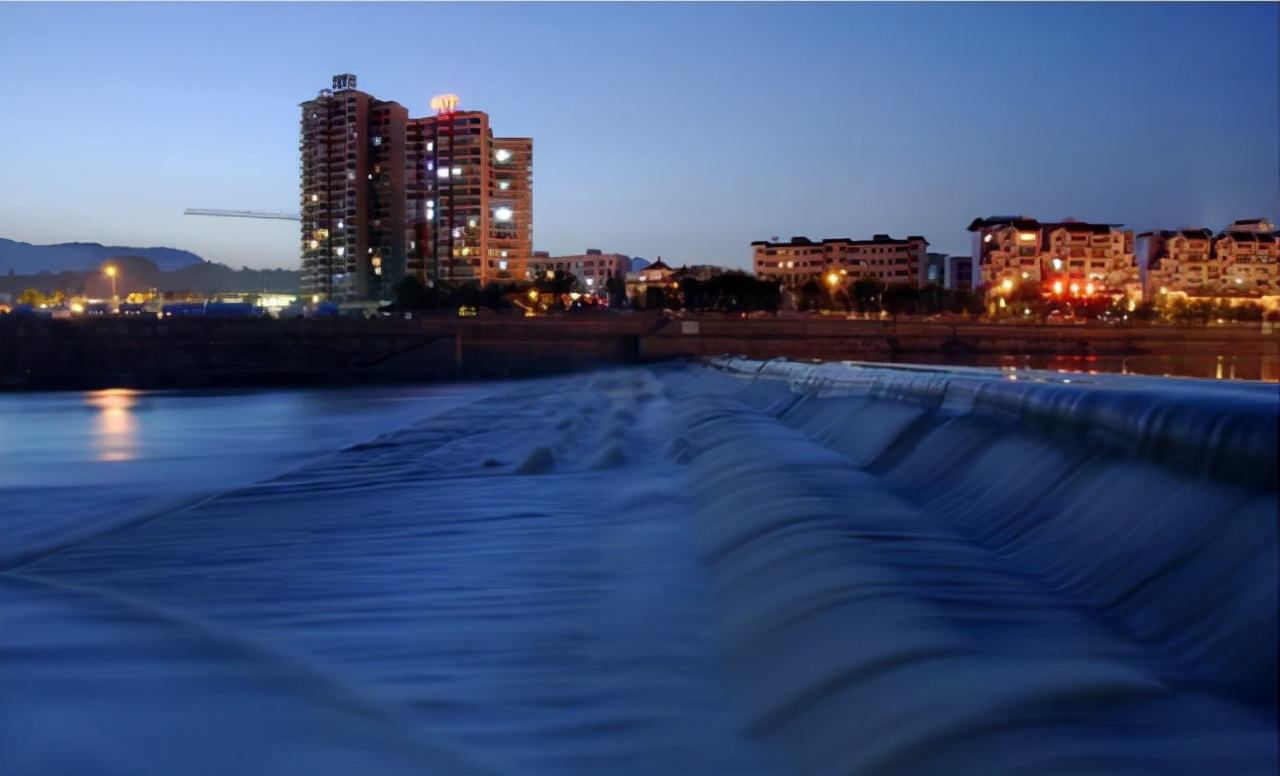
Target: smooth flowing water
x: 768, y: 568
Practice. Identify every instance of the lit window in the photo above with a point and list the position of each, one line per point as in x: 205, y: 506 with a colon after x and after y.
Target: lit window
x: 502, y: 155
x: 504, y: 185
x: 377, y: 140
x: 503, y: 213
x: 442, y: 173
x: 502, y: 264
x: 457, y: 171
x: 431, y: 146
x: 339, y: 250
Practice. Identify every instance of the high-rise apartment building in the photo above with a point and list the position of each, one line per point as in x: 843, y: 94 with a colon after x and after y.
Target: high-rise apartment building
x: 470, y: 198
x: 385, y: 196
x: 353, y: 160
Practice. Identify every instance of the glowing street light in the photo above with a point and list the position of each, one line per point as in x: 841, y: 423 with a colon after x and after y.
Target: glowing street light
x: 833, y: 279
x: 111, y: 273
x: 1007, y: 284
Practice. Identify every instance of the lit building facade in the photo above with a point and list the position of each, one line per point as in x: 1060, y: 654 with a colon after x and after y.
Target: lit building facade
x: 933, y: 270
x: 1242, y: 260
x: 959, y: 273
x: 592, y: 268
x: 1067, y: 260
x: 882, y: 258
x: 657, y: 275
x: 470, y: 198
x: 385, y: 196
x: 352, y: 154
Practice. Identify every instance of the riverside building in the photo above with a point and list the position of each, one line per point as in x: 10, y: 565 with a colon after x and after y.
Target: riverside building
x: 1066, y: 260
x: 386, y: 196
x: 592, y: 268
x: 1242, y: 260
x: 881, y: 258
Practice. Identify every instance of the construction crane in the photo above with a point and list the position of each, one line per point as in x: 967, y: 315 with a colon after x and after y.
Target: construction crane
x: 196, y: 211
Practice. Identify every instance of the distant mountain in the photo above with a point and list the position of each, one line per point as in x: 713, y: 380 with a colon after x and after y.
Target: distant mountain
x: 26, y: 259
x: 638, y: 264
x: 139, y: 273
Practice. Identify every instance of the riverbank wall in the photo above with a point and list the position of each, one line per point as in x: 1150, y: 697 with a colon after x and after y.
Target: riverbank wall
x: 38, y: 353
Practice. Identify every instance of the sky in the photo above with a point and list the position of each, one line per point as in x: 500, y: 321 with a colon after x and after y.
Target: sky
x: 680, y: 130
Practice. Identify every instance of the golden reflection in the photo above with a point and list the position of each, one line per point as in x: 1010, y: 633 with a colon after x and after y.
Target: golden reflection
x: 115, y: 428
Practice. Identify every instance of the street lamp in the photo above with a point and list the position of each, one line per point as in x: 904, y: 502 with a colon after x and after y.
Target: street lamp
x: 111, y: 273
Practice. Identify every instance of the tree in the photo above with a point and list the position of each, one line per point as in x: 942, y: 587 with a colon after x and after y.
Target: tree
x: 693, y: 294
x: 867, y: 293
x: 935, y: 298
x: 411, y: 294
x: 655, y: 298
x: 494, y: 296
x: 32, y: 297
x: 616, y: 288
x: 900, y: 298
x: 809, y: 295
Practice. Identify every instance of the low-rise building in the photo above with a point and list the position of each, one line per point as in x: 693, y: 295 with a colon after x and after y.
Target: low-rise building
x: 881, y: 258
x: 655, y: 276
x: 1067, y: 260
x: 1241, y: 260
x: 592, y: 268
x: 933, y: 270
x: 959, y: 275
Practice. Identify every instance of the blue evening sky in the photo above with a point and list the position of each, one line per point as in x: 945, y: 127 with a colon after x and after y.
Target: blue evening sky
x: 682, y: 130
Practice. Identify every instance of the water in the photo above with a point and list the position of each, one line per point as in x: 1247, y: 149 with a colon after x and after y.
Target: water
x: 1211, y: 367
x: 75, y: 464
x: 820, y: 569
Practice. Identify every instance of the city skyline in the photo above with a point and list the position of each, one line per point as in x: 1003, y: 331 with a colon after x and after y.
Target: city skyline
x: 681, y: 130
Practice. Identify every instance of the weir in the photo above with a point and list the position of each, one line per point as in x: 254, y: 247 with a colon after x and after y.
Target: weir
x: 734, y: 567
x: 930, y: 569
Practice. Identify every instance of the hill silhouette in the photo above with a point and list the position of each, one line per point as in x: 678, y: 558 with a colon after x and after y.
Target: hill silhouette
x: 27, y: 259
x: 140, y: 273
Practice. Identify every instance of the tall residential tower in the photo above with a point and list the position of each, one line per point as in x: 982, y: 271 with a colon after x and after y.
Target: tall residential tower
x: 385, y: 196
x: 470, y: 198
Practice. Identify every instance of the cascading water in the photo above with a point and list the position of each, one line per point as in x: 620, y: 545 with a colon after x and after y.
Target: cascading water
x: 751, y: 568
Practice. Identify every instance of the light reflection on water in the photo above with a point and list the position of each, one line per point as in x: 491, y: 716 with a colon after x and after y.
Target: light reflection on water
x: 115, y: 427
x: 75, y: 463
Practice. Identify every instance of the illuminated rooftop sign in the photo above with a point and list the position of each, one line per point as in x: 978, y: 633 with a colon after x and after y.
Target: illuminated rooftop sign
x: 444, y: 103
